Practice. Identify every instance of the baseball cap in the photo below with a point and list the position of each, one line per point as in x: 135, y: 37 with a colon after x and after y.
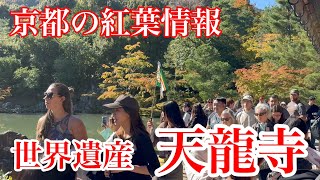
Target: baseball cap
x: 312, y: 98
x: 247, y: 97
x: 222, y: 99
x: 124, y: 101
x: 294, y: 91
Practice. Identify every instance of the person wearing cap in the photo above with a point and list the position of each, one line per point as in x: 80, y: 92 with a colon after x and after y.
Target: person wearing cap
x: 295, y: 107
x: 246, y: 116
x: 187, y: 112
x: 312, y: 108
x: 273, y: 101
x: 215, y: 117
x: 144, y: 159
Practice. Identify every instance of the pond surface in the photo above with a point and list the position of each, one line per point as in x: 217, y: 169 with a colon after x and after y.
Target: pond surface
x: 26, y: 124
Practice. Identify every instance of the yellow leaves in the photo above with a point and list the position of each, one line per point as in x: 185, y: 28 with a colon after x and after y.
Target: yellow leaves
x: 112, y: 88
x: 132, y: 47
x: 128, y: 75
x: 262, y: 44
x: 105, y: 66
x: 108, y: 94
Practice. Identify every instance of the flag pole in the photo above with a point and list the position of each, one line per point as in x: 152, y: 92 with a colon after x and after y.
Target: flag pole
x: 154, y: 92
x: 154, y: 101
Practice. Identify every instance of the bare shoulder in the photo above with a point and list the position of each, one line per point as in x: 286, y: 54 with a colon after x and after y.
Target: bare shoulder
x: 75, y: 122
x: 77, y: 128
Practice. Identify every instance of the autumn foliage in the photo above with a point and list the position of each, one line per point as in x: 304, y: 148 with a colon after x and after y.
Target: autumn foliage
x: 266, y: 79
x: 4, y: 93
x: 129, y: 76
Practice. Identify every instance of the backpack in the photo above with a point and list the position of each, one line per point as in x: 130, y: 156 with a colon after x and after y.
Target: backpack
x: 315, y: 128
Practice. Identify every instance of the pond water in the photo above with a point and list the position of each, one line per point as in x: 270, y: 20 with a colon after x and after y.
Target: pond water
x: 26, y: 124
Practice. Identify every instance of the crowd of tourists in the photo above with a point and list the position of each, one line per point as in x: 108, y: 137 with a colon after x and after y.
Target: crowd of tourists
x: 126, y: 123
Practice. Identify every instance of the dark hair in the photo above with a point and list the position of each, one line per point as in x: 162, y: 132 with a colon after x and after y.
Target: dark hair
x: 44, y: 126
x: 274, y: 97
x: 278, y: 108
x: 136, y: 124
x: 229, y: 101
x: 198, y: 116
x: 237, y: 104
x: 172, y: 111
x: 187, y: 104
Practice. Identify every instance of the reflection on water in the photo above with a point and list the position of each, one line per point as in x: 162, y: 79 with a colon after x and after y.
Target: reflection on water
x: 26, y: 124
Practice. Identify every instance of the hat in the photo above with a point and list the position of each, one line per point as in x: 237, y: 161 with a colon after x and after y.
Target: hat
x: 312, y: 98
x: 124, y: 101
x: 283, y: 103
x: 247, y: 97
x: 294, y: 91
x: 222, y: 99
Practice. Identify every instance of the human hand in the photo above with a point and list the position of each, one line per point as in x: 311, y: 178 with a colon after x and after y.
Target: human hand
x: 150, y: 126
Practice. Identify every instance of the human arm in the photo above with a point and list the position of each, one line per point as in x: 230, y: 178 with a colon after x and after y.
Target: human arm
x: 78, y: 129
x: 146, y: 147
x: 302, y: 112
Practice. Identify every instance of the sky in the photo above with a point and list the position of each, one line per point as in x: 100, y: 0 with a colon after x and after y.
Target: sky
x: 261, y: 4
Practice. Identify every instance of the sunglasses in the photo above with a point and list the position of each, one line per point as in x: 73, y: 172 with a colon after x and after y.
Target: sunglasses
x: 209, y: 102
x: 225, y: 119
x: 260, y: 114
x: 48, y: 95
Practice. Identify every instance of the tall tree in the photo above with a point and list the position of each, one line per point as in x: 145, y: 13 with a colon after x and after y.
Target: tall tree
x: 128, y: 76
x: 266, y: 79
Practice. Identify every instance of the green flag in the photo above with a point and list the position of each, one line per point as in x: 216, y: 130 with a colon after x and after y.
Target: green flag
x: 161, y: 81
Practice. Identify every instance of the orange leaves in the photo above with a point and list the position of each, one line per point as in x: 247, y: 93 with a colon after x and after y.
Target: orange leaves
x: 266, y: 79
x: 240, y: 3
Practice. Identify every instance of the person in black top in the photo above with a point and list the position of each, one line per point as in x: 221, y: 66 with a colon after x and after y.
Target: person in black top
x: 277, y: 117
x: 197, y: 116
x: 145, y: 160
x: 312, y: 109
x: 302, y: 164
x: 171, y: 119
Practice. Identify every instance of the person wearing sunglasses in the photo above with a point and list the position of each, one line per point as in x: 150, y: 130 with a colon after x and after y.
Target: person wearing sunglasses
x: 263, y: 114
x: 208, y: 107
x: 227, y: 117
x: 59, y: 124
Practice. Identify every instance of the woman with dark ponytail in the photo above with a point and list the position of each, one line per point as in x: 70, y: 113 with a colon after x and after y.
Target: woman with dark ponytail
x: 59, y: 124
